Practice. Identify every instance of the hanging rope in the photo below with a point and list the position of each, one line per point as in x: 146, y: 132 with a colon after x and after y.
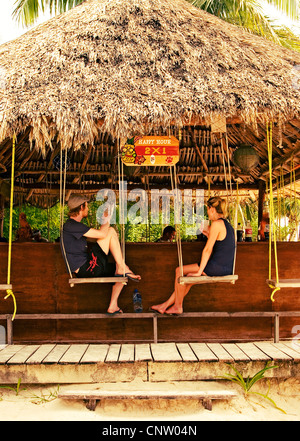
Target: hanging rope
x: 121, y: 202
x: 173, y: 177
x: 272, y: 217
x: 231, y: 192
x: 9, y: 291
x: 62, y: 190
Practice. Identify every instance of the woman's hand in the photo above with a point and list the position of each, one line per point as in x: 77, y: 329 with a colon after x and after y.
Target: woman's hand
x: 106, y: 217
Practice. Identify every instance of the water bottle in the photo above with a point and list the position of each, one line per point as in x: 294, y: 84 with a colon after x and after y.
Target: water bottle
x: 137, y: 301
x: 240, y: 233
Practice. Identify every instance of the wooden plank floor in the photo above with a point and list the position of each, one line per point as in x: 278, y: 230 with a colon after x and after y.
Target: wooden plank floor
x: 159, y: 352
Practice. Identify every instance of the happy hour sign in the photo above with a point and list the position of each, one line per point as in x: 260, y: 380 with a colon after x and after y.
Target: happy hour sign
x: 151, y: 151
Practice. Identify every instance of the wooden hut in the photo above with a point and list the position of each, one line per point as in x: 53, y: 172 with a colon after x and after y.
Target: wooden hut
x: 106, y: 71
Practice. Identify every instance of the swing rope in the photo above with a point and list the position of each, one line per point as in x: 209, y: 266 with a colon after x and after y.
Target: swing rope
x: 62, y: 191
x: 178, y: 238
x: 173, y: 176
x: 10, y: 291
x: 272, y: 217
x: 121, y: 202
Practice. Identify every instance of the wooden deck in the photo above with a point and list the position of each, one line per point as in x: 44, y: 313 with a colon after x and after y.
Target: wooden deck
x: 91, y: 363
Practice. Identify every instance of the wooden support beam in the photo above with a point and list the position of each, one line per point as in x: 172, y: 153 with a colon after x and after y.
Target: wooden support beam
x: 261, y: 199
x: 196, y: 147
x: 95, y: 187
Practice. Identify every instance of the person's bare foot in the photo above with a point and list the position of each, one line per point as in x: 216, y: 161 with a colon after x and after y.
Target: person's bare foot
x: 174, y: 310
x: 159, y: 308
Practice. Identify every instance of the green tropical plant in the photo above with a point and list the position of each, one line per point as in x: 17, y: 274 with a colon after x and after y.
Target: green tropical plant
x: 250, y: 15
x: 246, y: 13
x: 45, y: 398
x: 248, y: 383
x: 14, y: 389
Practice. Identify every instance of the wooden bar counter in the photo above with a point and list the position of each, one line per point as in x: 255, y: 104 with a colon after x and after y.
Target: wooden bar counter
x: 40, y: 284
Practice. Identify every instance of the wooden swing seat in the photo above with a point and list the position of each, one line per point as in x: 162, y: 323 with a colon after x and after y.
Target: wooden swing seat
x: 77, y: 281
x: 206, y: 279
x: 284, y: 283
x: 5, y: 287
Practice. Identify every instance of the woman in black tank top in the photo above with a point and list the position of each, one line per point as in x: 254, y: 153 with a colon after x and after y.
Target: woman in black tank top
x: 216, y: 260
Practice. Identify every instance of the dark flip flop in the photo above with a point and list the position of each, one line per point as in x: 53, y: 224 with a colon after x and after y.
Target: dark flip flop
x: 127, y: 275
x: 132, y: 278
x: 155, y: 311
x: 118, y: 311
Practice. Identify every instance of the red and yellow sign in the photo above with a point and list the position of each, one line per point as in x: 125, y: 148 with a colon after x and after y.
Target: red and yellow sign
x: 151, y: 151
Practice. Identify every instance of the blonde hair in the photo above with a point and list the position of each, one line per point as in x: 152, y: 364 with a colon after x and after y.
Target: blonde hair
x: 219, y: 204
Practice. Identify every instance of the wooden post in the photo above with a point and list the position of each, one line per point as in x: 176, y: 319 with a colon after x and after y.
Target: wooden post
x: 261, y: 199
x: 91, y: 404
x: 276, y: 328
x: 155, y: 328
x: 9, y: 330
x: 1, y: 215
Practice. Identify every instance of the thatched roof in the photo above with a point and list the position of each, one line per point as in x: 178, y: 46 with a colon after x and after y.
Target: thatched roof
x: 114, y: 69
x: 127, y: 67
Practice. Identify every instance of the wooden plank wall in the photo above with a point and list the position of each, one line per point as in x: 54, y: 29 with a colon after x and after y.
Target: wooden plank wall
x: 40, y: 284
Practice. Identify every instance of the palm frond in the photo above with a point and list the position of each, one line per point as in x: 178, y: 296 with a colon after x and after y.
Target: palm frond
x: 27, y: 12
x: 250, y: 15
x: 289, y: 7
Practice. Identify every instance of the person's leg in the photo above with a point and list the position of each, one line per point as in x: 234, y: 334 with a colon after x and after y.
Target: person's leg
x: 184, y: 289
x: 113, y: 305
x: 111, y: 243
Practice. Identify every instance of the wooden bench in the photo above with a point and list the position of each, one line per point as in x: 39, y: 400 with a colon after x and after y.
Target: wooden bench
x: 207, y: 279
x: 284, y: 283
x: 5, y: 287
x: 77, y: 281
x: 92, y: 397
x: 153, y: 316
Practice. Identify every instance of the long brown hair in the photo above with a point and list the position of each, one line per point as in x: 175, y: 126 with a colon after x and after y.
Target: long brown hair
x: 219, y: 204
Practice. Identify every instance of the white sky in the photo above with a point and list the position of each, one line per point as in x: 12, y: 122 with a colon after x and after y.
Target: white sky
x: 9, y: 28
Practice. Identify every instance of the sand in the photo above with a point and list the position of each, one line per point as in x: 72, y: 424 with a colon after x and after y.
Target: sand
x: 40, y: 403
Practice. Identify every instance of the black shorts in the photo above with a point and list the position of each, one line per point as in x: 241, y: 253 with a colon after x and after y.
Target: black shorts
x: 97, y: 264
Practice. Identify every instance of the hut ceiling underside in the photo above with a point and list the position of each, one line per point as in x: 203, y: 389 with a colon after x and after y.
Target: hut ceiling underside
x: 37, y: 176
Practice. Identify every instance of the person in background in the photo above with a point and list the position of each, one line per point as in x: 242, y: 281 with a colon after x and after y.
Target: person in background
x: 169, y: 234
x: 264, y: 227
x: 37, y: 236
x: 216, y: 260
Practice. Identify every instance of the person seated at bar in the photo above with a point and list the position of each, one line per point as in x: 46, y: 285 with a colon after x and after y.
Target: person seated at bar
x: 169, y: 234
x: 264, y: 227
x: 37, y: 236
x: 216, y: 260
x: 94, y: 263
x: 24, y: 232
